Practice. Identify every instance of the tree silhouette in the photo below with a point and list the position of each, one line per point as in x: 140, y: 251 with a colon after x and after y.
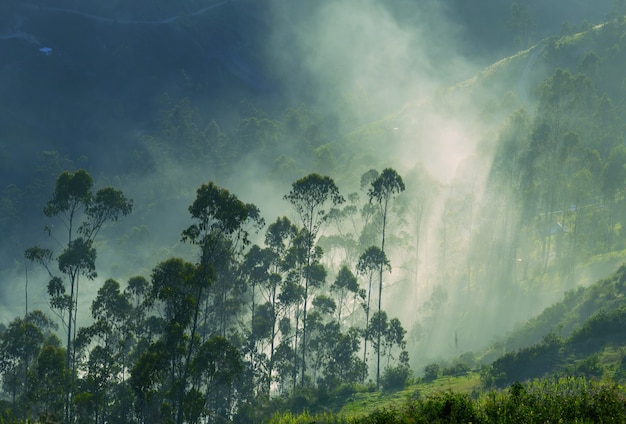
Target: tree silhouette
x: 83, y: 214
x: 381, y: 192
x: 370, y: 263
x: 309, y: 196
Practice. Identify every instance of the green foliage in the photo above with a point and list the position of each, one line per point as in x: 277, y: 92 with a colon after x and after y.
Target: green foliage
x: 431, y: 372
x: 305, y: 418
x: 446, y: 407
x: 385, y: 186
x: 218, y: 361
x: 395, y: 378
x: 581, y: 353
x: 540, y: 401
x: 309, y: 196
x: 50, y: 374
x: 218, y: 213
x: 371, y: 260
x: 601, y: 325
x: 202, y: 340
x: 79, y: 257
x: 72, y: 192
x: 254, y: 299
x: 82, y: 214
x: 456, y: 370
x: 605, y: 298
x: 566, y: 399
x: 526, y: 363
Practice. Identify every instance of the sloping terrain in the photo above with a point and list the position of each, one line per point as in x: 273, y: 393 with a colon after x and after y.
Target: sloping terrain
x: 584, y: 334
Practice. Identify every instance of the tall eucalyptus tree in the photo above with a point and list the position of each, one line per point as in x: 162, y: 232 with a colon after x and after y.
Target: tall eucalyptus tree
x: 222, y: 225
x: 369, y: 263
x: 83, y: 214
x: 381, y: 194
x: 279, y: 239
x: 311, y: 197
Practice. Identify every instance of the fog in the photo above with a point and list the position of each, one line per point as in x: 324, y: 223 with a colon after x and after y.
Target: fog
x: 397, y: 86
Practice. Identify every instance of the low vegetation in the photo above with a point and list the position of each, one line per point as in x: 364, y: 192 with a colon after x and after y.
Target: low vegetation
x: 567, y: 399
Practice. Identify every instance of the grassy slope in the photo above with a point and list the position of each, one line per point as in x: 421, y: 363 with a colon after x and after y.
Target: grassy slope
x: 583, y: 335
x: 576, y: 307
x: 364, y: 403
x: 584, y: 351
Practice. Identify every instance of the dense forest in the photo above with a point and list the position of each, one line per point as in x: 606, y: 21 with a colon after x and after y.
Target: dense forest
x: 223, y: 211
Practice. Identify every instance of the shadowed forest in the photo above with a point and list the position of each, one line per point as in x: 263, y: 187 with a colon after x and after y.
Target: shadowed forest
x: 244, y: 211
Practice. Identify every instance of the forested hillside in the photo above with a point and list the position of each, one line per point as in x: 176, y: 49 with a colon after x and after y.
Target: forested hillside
x: 220, y: 210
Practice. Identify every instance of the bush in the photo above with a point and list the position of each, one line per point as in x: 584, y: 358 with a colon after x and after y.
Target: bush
x: 383, y: 416
x: 6, y: 413
x: 302, y: 399
x: 344, y: 390
x: 456, y: 370
x: 446, y: 407
x: 557, y: 400
x: 590, y: 366
x: 571, y: 399
x: 431, y: 372
x: 620, y: 373
x: 394, y: 378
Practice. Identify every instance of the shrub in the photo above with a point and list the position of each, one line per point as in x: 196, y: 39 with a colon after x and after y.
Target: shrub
x: 591, y: 366
x: 456, y: 370
x: 395, y: 377
x: 431, y: 372
x: 446, y: 407
x: 383, y: 416
x: 345, y: 390
x: 557, y: 400
x: 303, y: 399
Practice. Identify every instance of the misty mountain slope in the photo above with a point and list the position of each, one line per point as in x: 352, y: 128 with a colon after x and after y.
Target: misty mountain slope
x: 582, y: 334
x: 96, y: 89
x: 512, y: 193
x: 569, y: 314
x: 482, y: 110
x: 488, y: 24
x: 111, y: 62
x: 108, y: 68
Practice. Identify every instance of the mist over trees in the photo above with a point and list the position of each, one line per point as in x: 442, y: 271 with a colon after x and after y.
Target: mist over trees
x: 299, y: 267
x: 198, y: 339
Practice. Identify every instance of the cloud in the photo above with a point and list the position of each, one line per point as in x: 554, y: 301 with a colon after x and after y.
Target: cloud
x: 385, y: 53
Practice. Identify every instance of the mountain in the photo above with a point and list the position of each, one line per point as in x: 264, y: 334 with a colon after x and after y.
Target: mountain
x: 581, y: 335
x: 117, y: 71
x: 514, y: 171
x: 127, y: 90
x: 100, y: 85
x: 111, y: 63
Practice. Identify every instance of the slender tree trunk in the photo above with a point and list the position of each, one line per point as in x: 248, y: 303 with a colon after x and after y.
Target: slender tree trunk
x: 307, y: 275
x: 205, y: 320
x: 295, y: 350
x: 341, y: 295
x: 418, y: 227
x: 367, y: 323
x: 271, y: 363
x: 380, y: 291
x: 68, y: 353
x: 26, y: 290
x: 181, y: 391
